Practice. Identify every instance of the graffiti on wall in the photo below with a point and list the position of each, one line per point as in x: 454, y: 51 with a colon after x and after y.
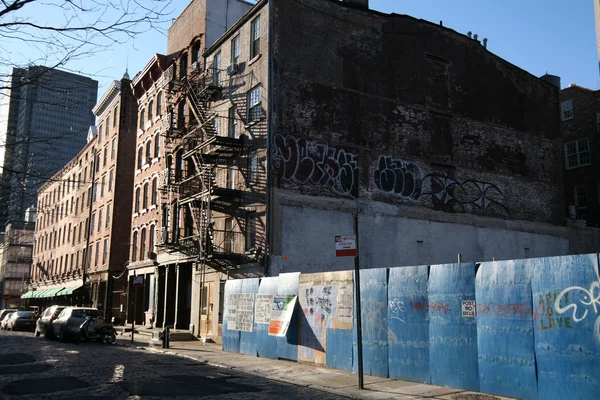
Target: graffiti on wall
x: 405, y: 179
x: 581, y: 304
x: 304, y: 162
x: 396, y: 309
x: 399, y: 177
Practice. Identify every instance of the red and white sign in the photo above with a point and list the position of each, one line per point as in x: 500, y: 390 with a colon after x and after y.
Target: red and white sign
x: 345, y: 246
x: 138, y: 280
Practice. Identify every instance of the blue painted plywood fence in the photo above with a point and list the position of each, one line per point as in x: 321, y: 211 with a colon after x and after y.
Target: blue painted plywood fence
x: 535, y: 333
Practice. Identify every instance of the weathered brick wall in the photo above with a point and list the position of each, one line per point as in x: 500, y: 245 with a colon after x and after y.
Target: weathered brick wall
x: 586, y: 103
x: 190, y: 23
x: 403, y: 111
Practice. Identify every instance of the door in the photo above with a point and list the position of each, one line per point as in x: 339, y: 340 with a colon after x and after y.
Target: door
x: 206, y: 307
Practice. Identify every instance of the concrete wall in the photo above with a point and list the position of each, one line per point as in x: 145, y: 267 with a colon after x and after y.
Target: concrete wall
x: 392, y: 240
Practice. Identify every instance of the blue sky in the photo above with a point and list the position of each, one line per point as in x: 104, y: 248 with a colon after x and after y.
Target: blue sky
x: 553, y: 36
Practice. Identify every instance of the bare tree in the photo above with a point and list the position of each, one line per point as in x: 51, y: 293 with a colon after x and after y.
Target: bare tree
x: 55, y: 33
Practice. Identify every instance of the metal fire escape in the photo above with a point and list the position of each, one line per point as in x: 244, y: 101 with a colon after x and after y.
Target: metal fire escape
x: 192, y: 176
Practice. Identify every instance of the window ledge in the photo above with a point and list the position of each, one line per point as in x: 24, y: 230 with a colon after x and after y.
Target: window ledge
x: 255, y: 59
x: 143, y: 211
x: 145, y: 166
x: 138, y: 171
x: 155, y: 160
x: 152, y: 207
x: 140, y: 132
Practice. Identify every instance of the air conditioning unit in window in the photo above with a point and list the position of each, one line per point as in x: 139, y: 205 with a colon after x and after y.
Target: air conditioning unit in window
x: 233, y: 69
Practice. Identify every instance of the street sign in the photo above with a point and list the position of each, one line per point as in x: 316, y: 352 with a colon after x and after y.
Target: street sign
x: 345, y: 246
x: 6, y: 296
x: 138, y: 280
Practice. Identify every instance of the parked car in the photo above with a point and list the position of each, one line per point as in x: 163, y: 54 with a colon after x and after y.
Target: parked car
x: 66, y: 325
x: 5, y: 319
x: 21, y: 320
x: 43, y: 323
x: 6, y: 311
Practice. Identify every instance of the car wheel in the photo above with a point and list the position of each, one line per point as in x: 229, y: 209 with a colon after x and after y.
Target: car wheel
x: 61, y: 337
x: 48, y: 333
x: 37, y: 332
x: 110, y: 338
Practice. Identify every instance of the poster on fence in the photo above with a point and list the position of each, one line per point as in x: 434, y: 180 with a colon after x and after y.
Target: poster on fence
x: 319, y: 304
x: 240, y: 312
x: 264, y: 305
x: 281, y: 314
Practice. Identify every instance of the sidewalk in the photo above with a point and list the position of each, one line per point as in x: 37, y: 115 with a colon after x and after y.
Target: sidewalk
x: 330, y: 380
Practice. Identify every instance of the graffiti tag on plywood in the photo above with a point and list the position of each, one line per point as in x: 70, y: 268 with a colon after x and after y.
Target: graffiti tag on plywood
x: 583, y: 302
x: 304, y: 162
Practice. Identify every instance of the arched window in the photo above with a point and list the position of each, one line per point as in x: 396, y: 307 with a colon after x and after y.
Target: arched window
x: 154, y: 191
x: 134, y: 247
x: 183, y: 65
x: 140, y: 158
x: 151, y: 238
x: 159, y: 103
x: 150, y: 109
x: 137, y: 200
x: 145, y: 198
x: 156, y: 145
x: 143, y: 245
x: 148, y: 151
x: 142, y: 118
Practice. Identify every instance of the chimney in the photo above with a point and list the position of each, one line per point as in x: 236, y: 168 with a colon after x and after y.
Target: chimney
x: 485, y: 43
x: 358, y: 3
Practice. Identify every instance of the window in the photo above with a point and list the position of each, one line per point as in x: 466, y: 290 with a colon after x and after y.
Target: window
x: 255, y: 38
x: 100, y: 133
x: 250, y: 232
x: 154, y: 191
x: 107, y: 123
x: 105, y: 156
x: 151, y: 238
x: 577, y: 153
x: 113, y: 149
x: 108, y: 210
x: 93, y: 225
x: 254, y: 104
x: 100, y: 212
x: 111, y: 178
x: 97, y: 254
x: 580, y: 196
x: 137, y: 200
x: 142, y: 118
x: 143, y: 245
x: 134, y: 246
x: 235, y: 50
x: 145, y: 198
x: 254, y: 168
x: 148, y: 151
x: 566, y: 108
x: 105, y: 252
x: 232, y: 123
x: 115, y: 116
x: 156, y: 145
x: 159, y: 103
x: 102, y: 184
x: 217, y: 69
x: 217, y: 124
x: 230, y: 184
x: 229, y: 238
x: 95, y: 191
x: 140, y: 157
x: 150, y: 109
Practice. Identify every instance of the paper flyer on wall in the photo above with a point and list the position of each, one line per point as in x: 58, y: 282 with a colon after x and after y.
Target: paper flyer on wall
x: 281, y: 314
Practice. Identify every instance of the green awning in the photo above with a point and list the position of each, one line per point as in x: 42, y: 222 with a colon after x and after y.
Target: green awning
x: 52, y: 292
x: 68, y: 290
x: 38, y: 293
x: 27, y: 295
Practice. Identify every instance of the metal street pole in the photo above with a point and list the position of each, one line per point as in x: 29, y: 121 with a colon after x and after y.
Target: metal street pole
x: 358, y: 310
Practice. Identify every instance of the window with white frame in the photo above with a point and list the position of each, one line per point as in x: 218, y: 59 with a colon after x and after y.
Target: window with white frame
x: 217, y: 69
x: 566, y: 108
x: 255, y: 38
x: 235, y: 50
x: 142, y: 118
x: 577, y: 153
x: 580, y: 196
x: 254, y: 104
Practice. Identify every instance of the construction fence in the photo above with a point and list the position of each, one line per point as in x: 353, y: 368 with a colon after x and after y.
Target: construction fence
x: 527, y: 328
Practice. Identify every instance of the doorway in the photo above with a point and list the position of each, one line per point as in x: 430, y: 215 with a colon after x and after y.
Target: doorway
x: 206, y: 307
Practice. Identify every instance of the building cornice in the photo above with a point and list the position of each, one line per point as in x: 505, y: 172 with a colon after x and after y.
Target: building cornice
x: 111, y: 93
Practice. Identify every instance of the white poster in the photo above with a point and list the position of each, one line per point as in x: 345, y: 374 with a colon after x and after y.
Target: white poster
x: 320, y: 304
x: 264, y: 305
x: 240, y: 312
x: 345, y: 304
x: 468, y: 309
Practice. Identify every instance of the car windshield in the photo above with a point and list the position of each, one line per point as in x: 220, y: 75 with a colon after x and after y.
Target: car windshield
x: 25, y: 314
x: 85, y: 313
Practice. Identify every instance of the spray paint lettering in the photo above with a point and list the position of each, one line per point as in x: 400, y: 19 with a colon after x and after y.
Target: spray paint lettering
x: 588, y: 299
x: 397, y: 176
x: 469, y: 192
x: 306, y: 162
x: 396, y: 307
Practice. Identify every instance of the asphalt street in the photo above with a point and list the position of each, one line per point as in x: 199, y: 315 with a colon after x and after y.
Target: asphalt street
x: 37, y: 368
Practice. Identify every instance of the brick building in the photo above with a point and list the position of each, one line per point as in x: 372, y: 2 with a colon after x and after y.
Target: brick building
x: 580, y: 130
x: 15, y: 262
x: 82, y: 234
x: 163, y: 248
x: 308, y: 118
